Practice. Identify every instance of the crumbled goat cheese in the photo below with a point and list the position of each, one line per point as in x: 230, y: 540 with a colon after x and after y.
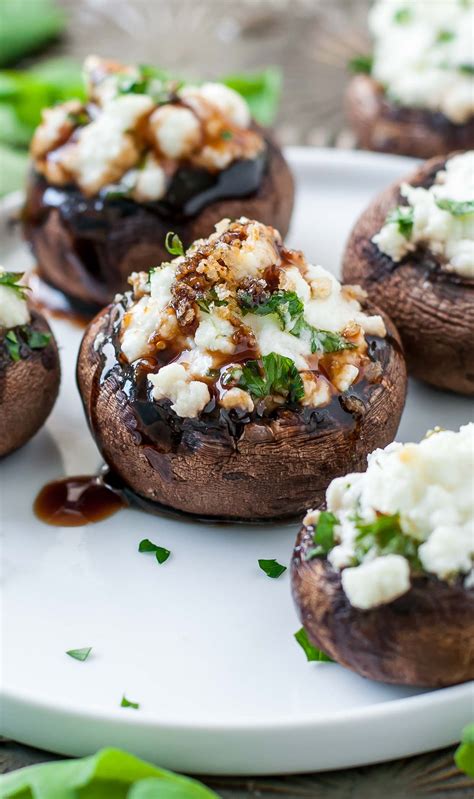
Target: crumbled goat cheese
x: 237, y: 398
x: 150, y: 182
x: 174, y: 382
x: 217, y: 96
x: 56, y: 125
x: 215, y: 332
x: 429, y: 486
x: 13, y: 308
x: 449, y: 237
x: 423, y: 54
x: 176, y: 130
x: 376, y: 582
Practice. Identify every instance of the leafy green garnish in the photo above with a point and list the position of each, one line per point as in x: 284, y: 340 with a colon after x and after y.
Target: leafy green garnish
x: 37, y: 340
x: 275, y: 374
x: 289, y: 309
x: 403, y: 217
x: 27, y: 26
x: 311, y: 652
x: 462, y: 208
x: 79, y: 654
x: 468, y: 69
x: 226, y: 135
x: 109, y: 774
x: 271, y: 567
x: 361, y: 64
x: 403, y: 16
x: 445, y: 36
x: 13, y: 345
x: 210, y: 298
x: 127, y: 703
x: 464, y: 754
x: 173, y: 244
x: 386, y: 536
x: 12, y: 281
x: 261, y: 90
x: 161, y: 553
x: 323, y: 537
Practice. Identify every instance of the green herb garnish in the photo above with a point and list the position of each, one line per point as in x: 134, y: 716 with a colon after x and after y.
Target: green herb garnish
x: 12, y: 281
x: 78, y: 118
x: 403, y: 217
x: 323, y: 537
x: 36, y: 339
x: 361, y: 64
x: 261, y: 90
x: 467, y: 69
x: 403, y: 16
x: 173, y: 244
x: 126, y: 703
x: 271, y: 567
x: 227, y: 135
x: 13, y: 345
x: 386, y: 536
x: 274, y: 374
x: 464, y: 754
x: 462, y: 208
x: 311, y: 652
x: 445, y: 36
x: 210, y: 298
x: 161, y: 553
x: 79, y: 654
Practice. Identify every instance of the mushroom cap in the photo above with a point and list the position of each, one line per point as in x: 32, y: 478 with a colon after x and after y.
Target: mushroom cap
x: 383, y: 126
x: 224, y: 467
x: 423, y: 638
x: 87, y: 247
x: 28, y: 390
x: 432, y: 308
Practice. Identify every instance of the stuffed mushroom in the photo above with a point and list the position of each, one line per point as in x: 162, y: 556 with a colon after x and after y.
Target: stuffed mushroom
x: 418, y: 96
x: 383, y: 578
x: 29, y: 365
x: 238, y: 379
x: 142, y: 156
x: 413, y: 251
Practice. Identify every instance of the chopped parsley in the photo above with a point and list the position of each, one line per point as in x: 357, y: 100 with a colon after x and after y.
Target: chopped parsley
x: 464, y: 754
x: 13, y: 345
x: 403, y: 217
x: 323, y: 537
x: 462, y: 208
x: 226, y: 135
x: 12, y: 281
x: 467, y: 69
x: 126, y: 703
x: 289, y: 310
x: 445, y: 36
x: 34, y: 339
x: 79, y: 654
x: 274, y: 374
x: 161, y: 553
x: 403, y: 16
x: 361, y: 64
x: 271, y: 567
x: 37, y: 340
x: 386, y: 537
x: 173, y: 244
x: 210, y: 298
x: 78, y: 118
x: 312, y: 653
x: 148, y: 80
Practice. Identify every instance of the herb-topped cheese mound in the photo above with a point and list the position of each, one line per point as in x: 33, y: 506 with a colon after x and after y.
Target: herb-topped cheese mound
x: 13, y: 306
x: 137, y: 128
x: 439, y: 218
x: 241, y: 318
x: 19, y: 333
x: 423, y: 54
x: 411, y: 512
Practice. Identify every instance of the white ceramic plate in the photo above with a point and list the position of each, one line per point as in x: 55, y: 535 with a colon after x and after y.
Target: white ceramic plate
x: 204, y: 642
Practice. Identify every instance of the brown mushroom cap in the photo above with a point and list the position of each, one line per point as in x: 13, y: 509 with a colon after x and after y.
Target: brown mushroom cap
x: 87, y: 247
x: 423, y: 638
x: 389, y: 128
x: 236, y: 468
x: 28, y: 389
x: 432, y: 308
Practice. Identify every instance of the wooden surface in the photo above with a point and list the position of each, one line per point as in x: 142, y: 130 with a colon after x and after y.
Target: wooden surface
x: 311, y: 41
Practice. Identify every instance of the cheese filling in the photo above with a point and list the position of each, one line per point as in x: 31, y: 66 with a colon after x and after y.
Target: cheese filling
x: 137, y: 128
x: 440, y: 218
x: 13, y: 306
x: 411, y: 511
x: 424, y: 55
x: 254, y: 324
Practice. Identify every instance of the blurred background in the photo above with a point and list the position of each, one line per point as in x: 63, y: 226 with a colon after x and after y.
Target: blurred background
x: 310, y: 42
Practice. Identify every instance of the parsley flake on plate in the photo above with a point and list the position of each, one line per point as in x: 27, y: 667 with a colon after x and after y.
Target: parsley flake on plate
x: 161, y: 553
x: 127, y: 703
x: 271, y: 567
x: 79, y: 654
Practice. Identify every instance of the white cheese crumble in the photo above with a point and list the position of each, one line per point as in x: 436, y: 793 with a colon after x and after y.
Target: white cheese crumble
x: 448, y: 235
x: 174, y: 382
x: 13, y: 308
x: 423, y: 54
x: 430, y: 487
x: 176, y: 130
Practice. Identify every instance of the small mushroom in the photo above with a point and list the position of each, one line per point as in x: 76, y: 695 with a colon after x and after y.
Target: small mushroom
x: 432, y: 307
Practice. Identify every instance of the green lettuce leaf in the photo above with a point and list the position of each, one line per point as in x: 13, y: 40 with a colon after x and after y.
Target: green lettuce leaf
x: 27, y: 26
x: 260, y: 89
x: 109, y: 774
x: 464, y: 755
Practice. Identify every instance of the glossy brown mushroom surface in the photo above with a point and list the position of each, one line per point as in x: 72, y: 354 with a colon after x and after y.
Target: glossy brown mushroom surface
x: 28, y: 386
x: 87, y: 247
x: 432, y: 308
x: 383, y: 126
x: 231, y: 464
x: 424, y: 638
